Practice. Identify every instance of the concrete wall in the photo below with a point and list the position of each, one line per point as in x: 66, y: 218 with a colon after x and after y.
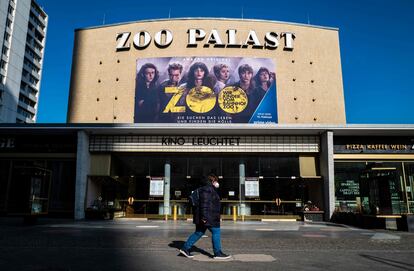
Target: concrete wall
x: 82, y: 171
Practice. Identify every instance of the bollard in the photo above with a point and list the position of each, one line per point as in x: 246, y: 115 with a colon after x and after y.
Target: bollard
x: 175, y: 212
x: 234, y: 213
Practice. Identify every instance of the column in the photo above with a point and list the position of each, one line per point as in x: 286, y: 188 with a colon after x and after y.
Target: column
x: 82, y: 171
x: 242, y: 177
x: 327, y: 172
x: 167, y: 180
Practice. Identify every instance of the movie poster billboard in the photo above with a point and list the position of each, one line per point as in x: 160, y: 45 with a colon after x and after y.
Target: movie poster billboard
x: 205, y: 90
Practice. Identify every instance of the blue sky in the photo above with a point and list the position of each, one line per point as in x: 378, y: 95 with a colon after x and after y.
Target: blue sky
x: 376, y: 40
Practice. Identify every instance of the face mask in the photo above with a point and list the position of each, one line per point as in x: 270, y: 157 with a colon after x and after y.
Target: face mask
x: 216, y: 184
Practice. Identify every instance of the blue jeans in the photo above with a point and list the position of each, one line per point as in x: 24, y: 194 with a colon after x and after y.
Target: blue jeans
x: 200, y: 230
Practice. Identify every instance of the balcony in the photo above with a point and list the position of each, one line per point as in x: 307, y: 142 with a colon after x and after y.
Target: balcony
x: 34, y: 61
x: 38, y: 16
x: 27, y: 81
x: 32, y: 71
x: 4, y: 57
x: 33, y: 35
x: 24, y: 118
x: 37, y: 27
x: 27, y: 107
x: 37, y: 51
x: 5, y: 42
x: 28, y: 95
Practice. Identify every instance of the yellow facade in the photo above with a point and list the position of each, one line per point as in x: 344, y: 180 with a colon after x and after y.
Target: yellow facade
x: 308, y: 78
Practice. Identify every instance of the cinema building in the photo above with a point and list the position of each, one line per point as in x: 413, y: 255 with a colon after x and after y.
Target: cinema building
x: 157, y: 105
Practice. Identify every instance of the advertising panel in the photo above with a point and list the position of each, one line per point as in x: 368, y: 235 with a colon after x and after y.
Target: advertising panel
x: 205, y: 90
x: 252, y: 187
x: 156, y: 187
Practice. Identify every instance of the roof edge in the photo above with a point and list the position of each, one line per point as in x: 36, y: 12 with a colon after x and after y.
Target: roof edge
x: 187, y: 126
x: 206, y: 18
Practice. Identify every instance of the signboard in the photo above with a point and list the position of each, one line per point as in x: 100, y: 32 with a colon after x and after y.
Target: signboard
x: 53, y: 143
x: 156, y: 187
x: 205, y: 90
x: 252, y: 187
x: 213, y: 143
x: 198, y: 36
x: 373, y: 145
x: 348, y: 189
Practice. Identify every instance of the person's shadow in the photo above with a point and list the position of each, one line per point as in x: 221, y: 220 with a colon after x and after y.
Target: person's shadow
x: 179, y: 245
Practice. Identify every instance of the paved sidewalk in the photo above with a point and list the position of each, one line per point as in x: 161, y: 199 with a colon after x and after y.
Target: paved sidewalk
x: 126, y: 244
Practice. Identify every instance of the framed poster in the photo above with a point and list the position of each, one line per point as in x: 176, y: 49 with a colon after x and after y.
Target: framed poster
x: 156, y: 187
x: 252, y: 187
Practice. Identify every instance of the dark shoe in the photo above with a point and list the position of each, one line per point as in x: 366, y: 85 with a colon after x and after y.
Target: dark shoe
x: 221, y: 256
x: 186, y: 253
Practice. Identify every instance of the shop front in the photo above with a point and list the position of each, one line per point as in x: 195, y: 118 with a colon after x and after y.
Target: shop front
x: 260, y: 177
x: 37, y: 172
x: 374, y: 177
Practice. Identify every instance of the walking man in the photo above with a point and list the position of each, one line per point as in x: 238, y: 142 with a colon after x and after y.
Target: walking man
x: 206, y: 215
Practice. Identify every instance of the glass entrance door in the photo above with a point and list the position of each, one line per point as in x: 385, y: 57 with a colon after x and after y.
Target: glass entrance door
x: 29, y: 189
x: 381, y: 191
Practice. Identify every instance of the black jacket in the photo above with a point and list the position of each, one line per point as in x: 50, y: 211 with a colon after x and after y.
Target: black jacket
x: 209, y: 207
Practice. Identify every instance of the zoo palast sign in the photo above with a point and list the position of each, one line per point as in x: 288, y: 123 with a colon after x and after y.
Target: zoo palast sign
x: 196, y: 36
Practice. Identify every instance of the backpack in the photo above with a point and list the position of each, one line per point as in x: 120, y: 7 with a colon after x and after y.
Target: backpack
x: 194, y: 198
